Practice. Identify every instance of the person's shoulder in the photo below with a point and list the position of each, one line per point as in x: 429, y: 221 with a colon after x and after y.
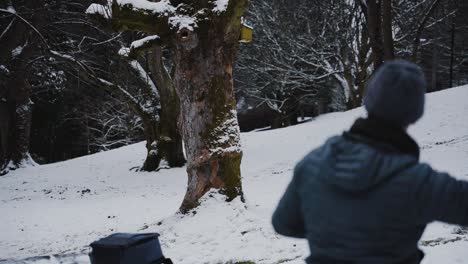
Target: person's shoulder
x: 317, y: 157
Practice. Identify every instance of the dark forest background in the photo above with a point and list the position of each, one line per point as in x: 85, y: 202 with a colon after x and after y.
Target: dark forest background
x: 308, y: 57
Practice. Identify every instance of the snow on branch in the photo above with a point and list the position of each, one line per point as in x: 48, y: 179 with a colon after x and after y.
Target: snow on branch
x: 138, y: 15
x: 4, y: 69
x: 145, y: 43
x: 144, y: 76
x: 140, y: 46
x: 63, y: 56
x: 163, y: 7
x: 161, y: 17
x: 97, y: 9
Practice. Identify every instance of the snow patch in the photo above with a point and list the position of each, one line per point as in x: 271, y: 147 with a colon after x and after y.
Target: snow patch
x: 180, y: 22
x: 227, y: 135
x: 124, y: 51
x: 244, y: 234
x: 26, y: 162
x: 48, y: 209
x: 220, y: 6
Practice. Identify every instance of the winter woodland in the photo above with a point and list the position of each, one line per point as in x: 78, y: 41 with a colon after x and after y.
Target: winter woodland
x: 164, y: 116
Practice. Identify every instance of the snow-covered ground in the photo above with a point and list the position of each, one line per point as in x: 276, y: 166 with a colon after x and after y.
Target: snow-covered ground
x: 60, y: 208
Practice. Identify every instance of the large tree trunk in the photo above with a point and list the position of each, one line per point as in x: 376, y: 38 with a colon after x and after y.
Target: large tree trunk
x: 204, y: 82
x: 21, y: 121
x: 15, y: 92
x: 4, y: 132
x: 16, y: 111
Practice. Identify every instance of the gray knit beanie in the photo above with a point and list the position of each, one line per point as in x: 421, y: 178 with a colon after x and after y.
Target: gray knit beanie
x: 395, y: 93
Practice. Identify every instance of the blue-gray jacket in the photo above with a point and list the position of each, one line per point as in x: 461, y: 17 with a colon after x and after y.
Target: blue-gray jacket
x: 358, y: 200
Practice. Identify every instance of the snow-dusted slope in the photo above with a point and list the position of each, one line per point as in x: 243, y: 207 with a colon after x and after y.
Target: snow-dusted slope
x: 62, y: 207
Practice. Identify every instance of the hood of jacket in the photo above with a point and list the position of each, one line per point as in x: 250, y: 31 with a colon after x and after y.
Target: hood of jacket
x: 364, y: 157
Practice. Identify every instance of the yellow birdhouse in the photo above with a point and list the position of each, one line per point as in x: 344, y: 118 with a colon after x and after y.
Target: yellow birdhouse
x: 246, y: 35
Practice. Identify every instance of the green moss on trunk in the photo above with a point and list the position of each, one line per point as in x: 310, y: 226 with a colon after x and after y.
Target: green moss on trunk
x: 229, y: 171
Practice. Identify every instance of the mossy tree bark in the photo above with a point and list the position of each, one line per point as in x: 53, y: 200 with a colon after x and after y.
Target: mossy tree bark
x: 204, y: 37
x: 169, y: 135
x: 163, y: 137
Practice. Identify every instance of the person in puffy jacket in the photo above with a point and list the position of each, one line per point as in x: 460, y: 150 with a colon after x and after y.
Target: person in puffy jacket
x: 364, y: 197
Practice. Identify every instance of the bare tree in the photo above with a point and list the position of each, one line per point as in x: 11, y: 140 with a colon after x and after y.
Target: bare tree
x: 302, y: 54
x: 382, y: 25
x: 204, y: 38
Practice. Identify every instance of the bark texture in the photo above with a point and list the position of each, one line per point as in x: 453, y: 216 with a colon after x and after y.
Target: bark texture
x: 203, y: 79
x: 169, y: 139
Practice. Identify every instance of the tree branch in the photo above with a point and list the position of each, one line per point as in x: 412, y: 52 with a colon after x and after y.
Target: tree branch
x: 27, y: 23
x: 421, y: 26
x: 86, y: 74
x: 142, y: 15
x: 140, y: 46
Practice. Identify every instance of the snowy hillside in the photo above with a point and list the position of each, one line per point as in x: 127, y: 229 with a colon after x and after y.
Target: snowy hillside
x: 60, y: 208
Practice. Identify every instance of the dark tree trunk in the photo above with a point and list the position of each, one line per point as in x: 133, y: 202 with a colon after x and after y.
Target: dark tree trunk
x: 280, y: 120
x: 356, y: 72
x: 420, y: 28
x: 154, y: 155
x: 21, y: 120
x: 15, y: 102
x: 5, y: 118
x: 16, y: 111
x: 452, y: 53
x: 387, y: 31
x: 169, y: 137
x: 374, y: 25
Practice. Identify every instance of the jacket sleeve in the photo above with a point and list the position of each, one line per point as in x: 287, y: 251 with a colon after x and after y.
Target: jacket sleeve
x: 442, y: 198
x: 287, y: 218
